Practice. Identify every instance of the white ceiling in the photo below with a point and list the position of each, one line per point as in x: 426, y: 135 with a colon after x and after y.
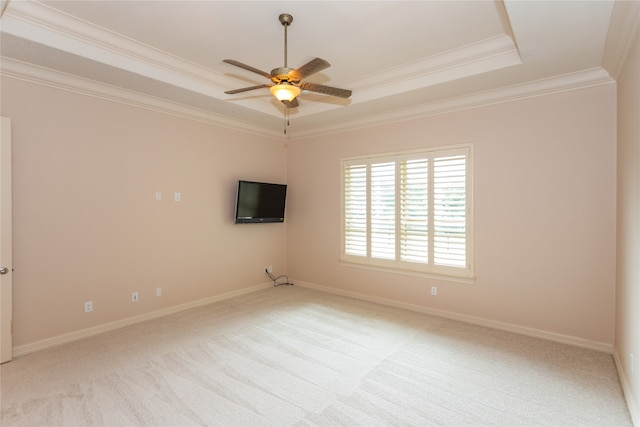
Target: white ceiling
x: 401, y: 59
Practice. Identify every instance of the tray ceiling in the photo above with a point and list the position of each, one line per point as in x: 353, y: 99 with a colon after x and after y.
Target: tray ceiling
x: 401, y: 59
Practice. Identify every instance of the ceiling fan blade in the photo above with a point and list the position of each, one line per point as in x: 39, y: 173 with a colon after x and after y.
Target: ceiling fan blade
x: 247, y: 67
x: 245, y: 89
x: 327, y: 90
x: 291, y: 104
x: 311, y: 67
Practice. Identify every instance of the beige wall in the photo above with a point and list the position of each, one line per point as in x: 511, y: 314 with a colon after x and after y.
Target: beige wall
x: 86, y: 222
x: 87, y: 226
x: 627, y: 339
x: 545, y: 186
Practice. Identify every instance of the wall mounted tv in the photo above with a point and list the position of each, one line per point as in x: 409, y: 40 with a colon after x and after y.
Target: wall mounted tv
x: 260, y: 202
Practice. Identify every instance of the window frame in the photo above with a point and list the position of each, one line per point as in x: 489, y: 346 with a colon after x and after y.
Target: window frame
x: 429, y: 269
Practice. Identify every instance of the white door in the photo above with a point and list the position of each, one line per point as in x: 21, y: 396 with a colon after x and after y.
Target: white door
x: 5, y: 241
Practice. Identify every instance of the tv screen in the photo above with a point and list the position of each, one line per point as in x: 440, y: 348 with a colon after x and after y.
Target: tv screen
x: 258, y: 202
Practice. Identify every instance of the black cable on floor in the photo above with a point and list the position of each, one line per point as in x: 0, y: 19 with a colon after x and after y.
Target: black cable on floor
x: 276, y: 280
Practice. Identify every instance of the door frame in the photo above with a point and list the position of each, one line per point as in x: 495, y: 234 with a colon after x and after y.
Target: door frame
x: 6, y: 259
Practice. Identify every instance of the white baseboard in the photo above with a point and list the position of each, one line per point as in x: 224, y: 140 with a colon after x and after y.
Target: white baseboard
x: 632, y: 404
x: 89, y: 332
x: 523, y: 330
x: 85, y: 333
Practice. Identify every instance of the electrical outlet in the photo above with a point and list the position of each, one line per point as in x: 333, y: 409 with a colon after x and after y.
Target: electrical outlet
x: 88, y: 306
x: 158, y: 292
x: 434, y: 290
x: 270, y: 269
x: 134, y: 297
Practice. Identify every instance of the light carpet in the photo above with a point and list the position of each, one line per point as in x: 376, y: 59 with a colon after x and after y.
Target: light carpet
x: 293, y: 356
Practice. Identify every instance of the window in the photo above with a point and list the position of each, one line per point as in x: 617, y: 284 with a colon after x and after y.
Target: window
x: 409, y: 211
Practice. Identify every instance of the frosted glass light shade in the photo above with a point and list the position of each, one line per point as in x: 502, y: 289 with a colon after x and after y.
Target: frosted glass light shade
x: 285, y: 91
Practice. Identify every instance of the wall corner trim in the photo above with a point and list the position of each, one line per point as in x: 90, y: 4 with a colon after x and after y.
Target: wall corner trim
x: 632, y: 405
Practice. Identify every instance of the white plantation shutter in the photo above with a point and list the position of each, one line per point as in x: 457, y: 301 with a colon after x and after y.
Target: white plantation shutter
x: 409, y: 211
x: 449, y: 210
x: 355, y: 209
x: 414, y: 213
x: 383, y: 210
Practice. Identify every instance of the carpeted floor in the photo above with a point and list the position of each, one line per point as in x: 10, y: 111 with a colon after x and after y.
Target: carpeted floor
x: 294, y: 356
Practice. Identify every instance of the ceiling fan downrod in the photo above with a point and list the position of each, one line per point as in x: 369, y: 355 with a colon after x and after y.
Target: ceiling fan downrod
x: 285, y: 20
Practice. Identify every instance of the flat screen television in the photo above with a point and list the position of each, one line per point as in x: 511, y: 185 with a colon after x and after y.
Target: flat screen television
x: 260, y: 202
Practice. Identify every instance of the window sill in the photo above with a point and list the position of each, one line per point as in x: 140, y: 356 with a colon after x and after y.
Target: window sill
x: 465, y: 280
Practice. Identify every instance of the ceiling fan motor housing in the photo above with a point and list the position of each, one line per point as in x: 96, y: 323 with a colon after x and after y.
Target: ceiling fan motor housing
x: 285, y: 74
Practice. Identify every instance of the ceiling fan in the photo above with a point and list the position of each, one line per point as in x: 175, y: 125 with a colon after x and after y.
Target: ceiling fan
x: 286, y: 82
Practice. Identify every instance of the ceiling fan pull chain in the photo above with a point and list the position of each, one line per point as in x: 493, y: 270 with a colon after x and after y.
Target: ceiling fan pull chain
x: 286, y: 119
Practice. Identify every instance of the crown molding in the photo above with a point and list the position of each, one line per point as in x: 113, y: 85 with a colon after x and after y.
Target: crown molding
x: 476, y: 58
x: 487, y: 55
x: 561, y: 83
x: 42, y: 24
x: 58, y: 80
x: 623, y: 27
x: 47, y: 77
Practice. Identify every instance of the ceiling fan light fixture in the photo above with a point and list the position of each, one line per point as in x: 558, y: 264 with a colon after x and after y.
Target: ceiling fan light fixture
x: 285, y: 91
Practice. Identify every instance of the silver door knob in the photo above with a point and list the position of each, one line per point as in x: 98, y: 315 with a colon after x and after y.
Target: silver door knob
x: 4, y: 270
